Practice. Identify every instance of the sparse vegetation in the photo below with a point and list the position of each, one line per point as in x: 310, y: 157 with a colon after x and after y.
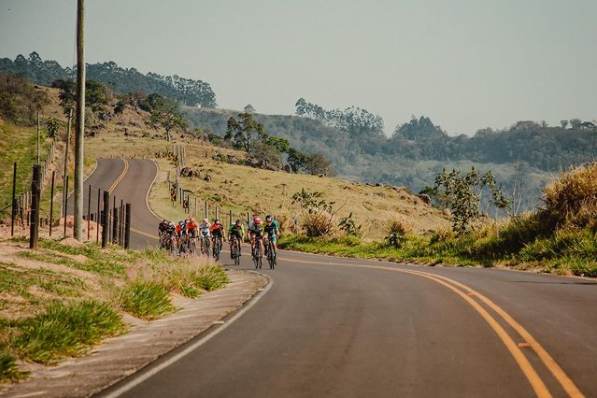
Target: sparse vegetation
x: 145, y: 299
x: 64, y: 298
x: 560, y: 238
x: 65, y: 329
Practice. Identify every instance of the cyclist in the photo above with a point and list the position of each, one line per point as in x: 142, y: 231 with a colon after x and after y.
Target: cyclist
x: 169, y: 235
x: 181, y: 233
x: 236, y: 231
x: 192, y: 227
x: 256, y: 233
x: 204, y: 228
x: 271, y: 230
x: 217, y: 232
x: 162, y: 227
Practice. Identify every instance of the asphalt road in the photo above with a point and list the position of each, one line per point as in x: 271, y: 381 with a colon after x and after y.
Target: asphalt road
x: 353, y: 328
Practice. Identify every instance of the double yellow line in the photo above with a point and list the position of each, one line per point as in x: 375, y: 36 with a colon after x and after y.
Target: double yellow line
x: 469, y: 295
x: 120, y: 177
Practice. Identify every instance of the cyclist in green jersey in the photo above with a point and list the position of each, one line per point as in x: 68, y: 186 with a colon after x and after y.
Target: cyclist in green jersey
x: 236, y: 231
x: 271, y: 231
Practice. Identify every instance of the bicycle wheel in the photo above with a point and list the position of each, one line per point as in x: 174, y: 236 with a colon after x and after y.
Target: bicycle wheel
x: 271, y: 256
x: 256, y: 255
x: 193, y: 246
x: 236, y: 252
x: 217, y: 249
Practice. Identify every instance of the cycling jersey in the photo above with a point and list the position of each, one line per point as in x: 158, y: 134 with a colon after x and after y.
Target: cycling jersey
x: 204, y: 228
x: 163, y: 226
x: 192, y: 228
x: 216, y: 230
x: 271, y: 231
x: 180, y: 229
x: 236, y: 231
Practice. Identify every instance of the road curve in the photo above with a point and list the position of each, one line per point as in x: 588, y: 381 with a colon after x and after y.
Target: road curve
x: 344, y: 327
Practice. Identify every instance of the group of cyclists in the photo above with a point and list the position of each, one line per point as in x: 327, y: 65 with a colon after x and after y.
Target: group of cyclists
x: 181, y: 238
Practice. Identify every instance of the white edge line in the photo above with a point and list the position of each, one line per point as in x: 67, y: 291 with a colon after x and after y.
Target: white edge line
x: 157, y: 171
x: 153, y: 371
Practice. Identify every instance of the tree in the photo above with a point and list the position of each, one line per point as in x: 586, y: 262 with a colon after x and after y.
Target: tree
x: 52, y: 125
x: 267, y: 156
x: 165, y: 113
x: 462, y: 194
x: 249, y: 109
x: 245, y: 132
x: 575, y: 123
x: 67, y: 94
x: 564, y: 123
x: 297, y: 160
x: 318, y: 164
x: 281, y: 144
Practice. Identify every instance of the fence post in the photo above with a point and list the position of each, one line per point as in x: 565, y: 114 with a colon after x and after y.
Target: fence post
x: 97, y: 216
x: 52, y: 201
x: 65, y: 203
x: 105, y: 219
x: 115, y: 226
x: 14, y: 207
x: 127, y: 232
x: 89, y: 214
x: 34, y: 231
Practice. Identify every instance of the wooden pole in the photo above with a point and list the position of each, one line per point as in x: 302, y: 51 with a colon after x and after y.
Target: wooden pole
x: 38, y: 137
x: 66, y: 151
x: 105, y: 219
x: 65, y: 204
x: 89, y: 214
x: 52, y: 201
x: 34, y: 222
x: 127, y: 231
x: 97, y: 216
x: 14, y: 203
x: 80, y: 132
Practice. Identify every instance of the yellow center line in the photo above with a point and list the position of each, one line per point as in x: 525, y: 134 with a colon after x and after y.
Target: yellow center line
x: 536, y: 382
x: 565, y: 381
x: 120, y: 177
x: 144, y: 234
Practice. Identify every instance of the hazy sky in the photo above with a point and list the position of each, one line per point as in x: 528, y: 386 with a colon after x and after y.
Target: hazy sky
x: 466, y: 64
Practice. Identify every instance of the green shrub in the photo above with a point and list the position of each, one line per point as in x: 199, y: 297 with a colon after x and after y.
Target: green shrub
x: 396, y: 233
x: 146, y: 300
x: 66, y: 329
x: 211, y: 278
x: 9, y: 372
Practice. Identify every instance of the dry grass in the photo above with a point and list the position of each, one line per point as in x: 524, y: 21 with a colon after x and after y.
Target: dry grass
x: 242, y: 189
x: 572, y: 199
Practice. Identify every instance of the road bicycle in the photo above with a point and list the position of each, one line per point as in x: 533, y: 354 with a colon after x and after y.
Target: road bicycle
x: 205, y: 245
x: 169, y: 244
x: 271, y: 254
x: 257, y: 255
x: 235, y: 251
x: 192, y: 244
x: 217, y: 248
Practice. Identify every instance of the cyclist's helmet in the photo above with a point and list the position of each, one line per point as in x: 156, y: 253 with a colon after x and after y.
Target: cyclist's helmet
x: 205, y: 221
x: 257, y: 220
x: 268, y: 219
x: 217, y: 222
x: 238, y: 223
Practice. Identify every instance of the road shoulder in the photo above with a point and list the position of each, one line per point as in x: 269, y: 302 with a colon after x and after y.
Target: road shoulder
x: 120, y: 357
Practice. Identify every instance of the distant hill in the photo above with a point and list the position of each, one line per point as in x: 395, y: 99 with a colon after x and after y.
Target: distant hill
x: 122, y: 80
x: 523, y: 157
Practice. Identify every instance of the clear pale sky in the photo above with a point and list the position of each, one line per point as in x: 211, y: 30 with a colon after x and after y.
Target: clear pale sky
x: 467, y: 64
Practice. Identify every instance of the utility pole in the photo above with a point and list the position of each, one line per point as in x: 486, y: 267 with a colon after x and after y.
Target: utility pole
x: 80, y: 132
x: 38, y: 138
x: 65, y: 173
